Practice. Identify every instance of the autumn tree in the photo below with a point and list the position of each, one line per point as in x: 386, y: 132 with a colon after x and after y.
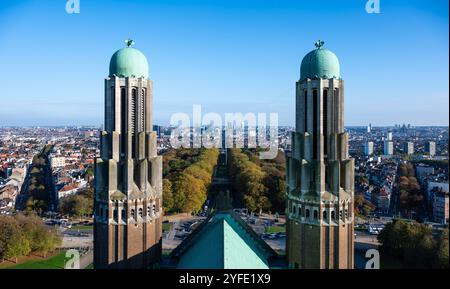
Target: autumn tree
x: 168, y: 200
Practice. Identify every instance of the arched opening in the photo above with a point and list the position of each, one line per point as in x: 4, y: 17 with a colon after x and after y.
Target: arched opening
x: 316, y: 215
x: 307, y: 215
x: 324, y: 215
x: 141, y: 212
x: 133, y: 214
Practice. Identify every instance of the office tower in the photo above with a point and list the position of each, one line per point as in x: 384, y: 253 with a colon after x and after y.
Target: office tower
x: 368, y: 148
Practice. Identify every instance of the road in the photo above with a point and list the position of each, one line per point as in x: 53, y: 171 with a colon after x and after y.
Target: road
x: 49, y: 184
x: 87, y: 259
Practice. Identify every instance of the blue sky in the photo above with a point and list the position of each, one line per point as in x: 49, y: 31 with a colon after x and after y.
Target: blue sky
x: 227, y: 55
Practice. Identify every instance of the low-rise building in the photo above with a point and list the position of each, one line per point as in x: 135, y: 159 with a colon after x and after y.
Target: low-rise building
x: 58, y: 162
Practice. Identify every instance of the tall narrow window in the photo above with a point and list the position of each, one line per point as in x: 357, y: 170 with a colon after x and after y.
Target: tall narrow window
x: 137, y: 174
x: 112, y: 120
x: 115, y: 214
x: 142, y: 109
x: 133, y: 108
x: 306, y: 111
x: 133, y: 112
x: 315, y: 132
x: 123, y: 119
x: 325, y: 122
x: 337, y: 109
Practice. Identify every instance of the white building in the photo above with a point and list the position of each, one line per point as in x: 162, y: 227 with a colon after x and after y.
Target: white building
x: 368, y: 148
x: 388, y: 148
x: 389, y: 136
x: 408, y: 148
x: 430, y: 148
x: 58, y: 162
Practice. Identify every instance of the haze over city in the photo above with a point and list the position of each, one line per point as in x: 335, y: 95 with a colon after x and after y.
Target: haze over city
x: 228, y: 56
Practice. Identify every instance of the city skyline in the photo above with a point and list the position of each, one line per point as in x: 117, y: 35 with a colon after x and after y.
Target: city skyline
x: 227, y: 56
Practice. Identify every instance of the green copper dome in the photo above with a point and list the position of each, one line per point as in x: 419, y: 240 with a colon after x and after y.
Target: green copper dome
x: 128, y: 62
x: 320, y: 63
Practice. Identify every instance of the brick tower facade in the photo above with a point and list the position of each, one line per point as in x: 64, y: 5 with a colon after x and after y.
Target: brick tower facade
x: 128, y: 173
x: 320, y: 174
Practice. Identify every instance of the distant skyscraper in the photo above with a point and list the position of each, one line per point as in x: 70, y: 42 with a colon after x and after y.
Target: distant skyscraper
x: 408, y: 148
x: 389, y: 136
x: 369, y: 128
x: 128, y: 174
x: 430, y: 148
x: 320, y: 173
x: 157, y: 130
x: 368, y: 148
x: 388, y: 148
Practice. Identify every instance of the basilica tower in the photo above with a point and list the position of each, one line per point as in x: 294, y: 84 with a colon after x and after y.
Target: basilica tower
x: 128, y: 173
x: 320, y: 173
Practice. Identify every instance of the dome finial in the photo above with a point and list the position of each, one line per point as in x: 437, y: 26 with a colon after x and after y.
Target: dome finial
x: 319, y: 43
x: 129, y: 42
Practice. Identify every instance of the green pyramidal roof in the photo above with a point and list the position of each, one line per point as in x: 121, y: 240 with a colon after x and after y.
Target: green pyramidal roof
x: 224, y: 243
x: 128, y: 62
x: 320, y: 63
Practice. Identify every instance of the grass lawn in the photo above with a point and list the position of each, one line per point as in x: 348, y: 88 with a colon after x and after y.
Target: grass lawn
x: 54, y: 262
x: 91, y: 266
x: 363, y: 229
x: 166, y: 227
x: 275, y: 229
